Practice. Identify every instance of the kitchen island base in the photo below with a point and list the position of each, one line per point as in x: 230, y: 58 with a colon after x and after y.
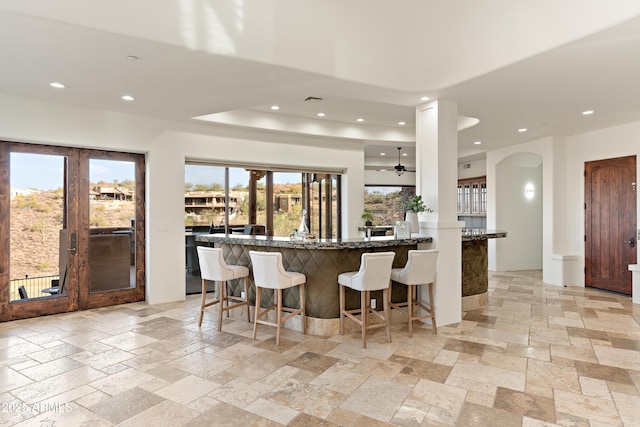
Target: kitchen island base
x: 321, y: 261
x: 475, y: 268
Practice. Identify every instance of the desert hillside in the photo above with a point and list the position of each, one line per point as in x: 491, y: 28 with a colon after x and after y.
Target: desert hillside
x: 36, y: 220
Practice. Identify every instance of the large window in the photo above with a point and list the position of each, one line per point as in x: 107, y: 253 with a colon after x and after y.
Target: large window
x: 257, y: 201
x: 387, y: 203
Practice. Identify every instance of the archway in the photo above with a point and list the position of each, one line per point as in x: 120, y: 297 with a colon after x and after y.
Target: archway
x: 519, y: 211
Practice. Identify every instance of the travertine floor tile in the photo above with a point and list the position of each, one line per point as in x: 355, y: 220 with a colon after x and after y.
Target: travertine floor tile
x: 477, y: 415
x: 165, y: 413
x: 10, y: 379
x: 340, y: 379
x: 273, y: 411
x: 596, y: 410
x: 439, y: 402
x: 368, y: 399
x: 490, y: 375
x: 551, y: 375
x: 239, y: 392
x: 530, y: 405
x: 306, y: 397
x: 125, y: 405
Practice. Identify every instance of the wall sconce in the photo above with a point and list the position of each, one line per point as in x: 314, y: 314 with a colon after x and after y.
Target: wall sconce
x: 529, y: 191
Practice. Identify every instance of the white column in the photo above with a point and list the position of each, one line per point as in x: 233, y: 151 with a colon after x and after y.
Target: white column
x: 437, y: 182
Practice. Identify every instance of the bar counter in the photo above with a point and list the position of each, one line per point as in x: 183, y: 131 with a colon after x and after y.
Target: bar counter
x: 321, y: 260
x: 475, y: 266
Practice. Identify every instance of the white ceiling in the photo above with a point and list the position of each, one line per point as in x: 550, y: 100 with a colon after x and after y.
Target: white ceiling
x: 533, y: 64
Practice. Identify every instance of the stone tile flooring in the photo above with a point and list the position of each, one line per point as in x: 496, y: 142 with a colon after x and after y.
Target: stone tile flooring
x: 537, y: 356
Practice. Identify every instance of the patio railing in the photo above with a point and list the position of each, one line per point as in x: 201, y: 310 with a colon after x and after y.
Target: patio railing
x: 33, y: 286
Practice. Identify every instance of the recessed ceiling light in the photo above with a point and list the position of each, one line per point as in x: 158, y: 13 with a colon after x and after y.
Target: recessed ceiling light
x: 383, y: 154
x: 359, y: 119
x: 57, y: 85
x: 588, y: 112
x: 477, y: 142
x: 402, y: 123
x: 404, y: 154
x: 424, y: 98
x: 128, y: 97
x: 522, y: 130
x: 382, y: 170
x: 321, y: 114
x: 275, y: 107
x: 132, y: 58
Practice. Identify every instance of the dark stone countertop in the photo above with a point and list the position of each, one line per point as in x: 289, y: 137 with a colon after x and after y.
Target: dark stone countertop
x: 469, y: 235
x: 285, y: 242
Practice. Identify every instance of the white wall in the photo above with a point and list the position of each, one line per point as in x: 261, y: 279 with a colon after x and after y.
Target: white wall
x: 608, y: 143
x: 167, y: 144
x: 388, y: 178
x: 563, y: 194
x: 544, y: 148
x: 476, y: 168
x: 520, y: 217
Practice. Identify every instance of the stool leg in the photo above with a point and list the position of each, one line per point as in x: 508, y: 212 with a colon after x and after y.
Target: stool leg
x: 255, y: 314
x: 410, y: 300
x: 387, y: 311
x: 302, y: 304
x: 279, y: 316
x: 221, y: 297
x: 433, y: 309
x: 364, y: 311
x: 204, y: 300
x: 226, y: 298
x: 341, y: 310
x: 246, y: 296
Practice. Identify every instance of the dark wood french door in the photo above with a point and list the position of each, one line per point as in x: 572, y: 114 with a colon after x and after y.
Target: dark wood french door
x: 610, y: 223
x: 71, y: 229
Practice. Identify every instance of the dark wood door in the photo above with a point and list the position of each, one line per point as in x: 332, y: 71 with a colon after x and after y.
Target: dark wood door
x: 111, y: 228
x: 610, y: 223
x: 38, y: 198
x: 58, y: 250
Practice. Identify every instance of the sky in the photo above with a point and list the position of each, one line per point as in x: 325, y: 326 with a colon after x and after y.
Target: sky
x: 45, y: 172
x: 204, y: 174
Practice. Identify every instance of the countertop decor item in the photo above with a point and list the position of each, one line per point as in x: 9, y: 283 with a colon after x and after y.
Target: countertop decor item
x: 367, y: 215
x: 402, y: 230
x: 416, y: 204
x: 413, y: 207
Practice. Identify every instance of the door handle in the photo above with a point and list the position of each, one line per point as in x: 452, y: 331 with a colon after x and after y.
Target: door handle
x: 631, y: 242
x: 72, y: 244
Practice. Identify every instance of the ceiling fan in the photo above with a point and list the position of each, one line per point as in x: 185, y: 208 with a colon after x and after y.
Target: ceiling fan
x: 399, y: 168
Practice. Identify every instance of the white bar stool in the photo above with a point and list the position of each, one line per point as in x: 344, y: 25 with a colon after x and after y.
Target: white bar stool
x: 214, y: 268
x: 374, y: 275
x: 268, y: 272
x: 420, y: 269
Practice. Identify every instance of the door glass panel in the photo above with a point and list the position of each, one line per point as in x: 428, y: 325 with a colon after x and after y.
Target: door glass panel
x: 204, y: 197
x: 323, y: 206
x: 334, y: 207
x: 475, y: 198
x: 37, y: 255
x: 238, y: 199
x: 257, y: 209
x: 315, y: 207
x: 112, y: 224
x: 287, y: 205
